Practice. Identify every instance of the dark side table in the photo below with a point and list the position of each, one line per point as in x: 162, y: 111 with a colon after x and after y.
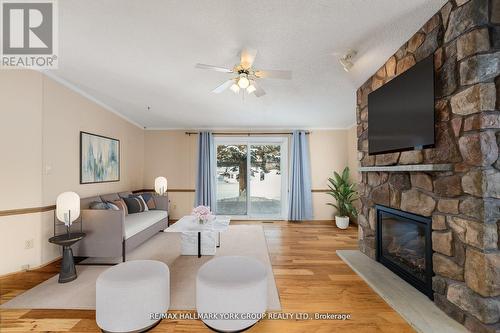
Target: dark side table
x: 68, y: 270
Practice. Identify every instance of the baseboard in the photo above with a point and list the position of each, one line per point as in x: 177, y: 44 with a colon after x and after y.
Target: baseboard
x: 32, y: 268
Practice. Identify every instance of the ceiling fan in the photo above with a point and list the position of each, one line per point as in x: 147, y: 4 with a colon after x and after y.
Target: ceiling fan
x: 245, y: 76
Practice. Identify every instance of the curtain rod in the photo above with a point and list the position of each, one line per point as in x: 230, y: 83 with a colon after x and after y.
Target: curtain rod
x: 247, y: 133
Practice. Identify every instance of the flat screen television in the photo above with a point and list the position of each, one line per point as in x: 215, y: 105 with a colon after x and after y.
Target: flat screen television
x: 401, y: 112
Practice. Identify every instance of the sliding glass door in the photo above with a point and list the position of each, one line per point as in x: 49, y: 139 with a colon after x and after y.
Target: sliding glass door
x: 231, y: 191
x: 251, y: 177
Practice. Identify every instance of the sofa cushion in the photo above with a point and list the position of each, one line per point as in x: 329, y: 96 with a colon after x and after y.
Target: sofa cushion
x: 110, y: 197
x: 135, y: 223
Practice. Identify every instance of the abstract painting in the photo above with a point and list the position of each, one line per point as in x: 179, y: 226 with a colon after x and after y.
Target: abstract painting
x: 99, y: 159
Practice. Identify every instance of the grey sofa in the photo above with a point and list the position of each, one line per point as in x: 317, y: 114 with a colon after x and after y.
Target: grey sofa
x: 111, y: 233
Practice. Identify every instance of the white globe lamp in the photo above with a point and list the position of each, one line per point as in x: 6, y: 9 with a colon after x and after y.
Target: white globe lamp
x: 161, y: 185
x: 68, y: 208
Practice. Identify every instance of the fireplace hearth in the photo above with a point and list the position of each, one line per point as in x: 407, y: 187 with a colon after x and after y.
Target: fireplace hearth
x: 404, y: 245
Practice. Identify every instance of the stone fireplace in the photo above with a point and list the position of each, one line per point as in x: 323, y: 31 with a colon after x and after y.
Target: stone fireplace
x: 404, y: 246
x: 463, y: 201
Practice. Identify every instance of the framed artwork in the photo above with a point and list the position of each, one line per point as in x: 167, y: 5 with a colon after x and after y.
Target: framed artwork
x: 99, y: 159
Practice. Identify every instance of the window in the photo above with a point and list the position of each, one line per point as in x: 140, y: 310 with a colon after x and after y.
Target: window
x: 251, y: 176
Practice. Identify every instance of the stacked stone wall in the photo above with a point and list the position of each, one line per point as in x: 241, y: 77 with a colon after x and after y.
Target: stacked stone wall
x: 464, y: 38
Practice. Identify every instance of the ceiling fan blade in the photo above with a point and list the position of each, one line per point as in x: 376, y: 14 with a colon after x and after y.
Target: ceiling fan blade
x: 214, y: 68
x: 274, y: 74
x: 223, y: 86
x: 258, y: 90
x: 247, y: 57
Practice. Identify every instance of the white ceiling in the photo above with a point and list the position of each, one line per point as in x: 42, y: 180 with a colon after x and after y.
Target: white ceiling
x: 128, y: 54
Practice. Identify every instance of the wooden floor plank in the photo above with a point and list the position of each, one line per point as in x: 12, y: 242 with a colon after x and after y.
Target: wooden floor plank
x: 309, y: 276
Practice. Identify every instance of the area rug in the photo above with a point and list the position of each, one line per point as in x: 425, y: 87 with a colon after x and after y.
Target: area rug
x: 243, y: 240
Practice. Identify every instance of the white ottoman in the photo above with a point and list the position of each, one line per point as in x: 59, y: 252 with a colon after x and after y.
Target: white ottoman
x: 231, y: 286
x: 126, y: 295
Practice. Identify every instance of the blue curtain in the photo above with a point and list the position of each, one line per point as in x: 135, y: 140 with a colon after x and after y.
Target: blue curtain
x: 300, y: 198
x: 205, y: 178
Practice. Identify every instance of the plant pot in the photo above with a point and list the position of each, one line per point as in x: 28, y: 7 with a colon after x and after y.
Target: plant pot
x: 342, y: 222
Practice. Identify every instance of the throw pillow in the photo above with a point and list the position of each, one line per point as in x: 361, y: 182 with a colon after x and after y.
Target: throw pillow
x: 121, y: 204
x: 98, y: 205
x: 112, y: 206
x: 144, y: 206
x: 150, y: 201
x: 133, y: 205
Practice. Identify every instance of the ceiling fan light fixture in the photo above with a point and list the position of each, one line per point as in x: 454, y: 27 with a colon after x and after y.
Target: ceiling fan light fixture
x: 245, y: 76
x: 243, y: 82
x: 235, y: 88
x: 251, y: 88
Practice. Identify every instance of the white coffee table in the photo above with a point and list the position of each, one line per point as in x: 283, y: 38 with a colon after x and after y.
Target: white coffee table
x: 192, y: 231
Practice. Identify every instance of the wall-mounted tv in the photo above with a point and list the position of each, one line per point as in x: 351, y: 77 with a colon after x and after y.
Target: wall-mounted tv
x: 401, y: 112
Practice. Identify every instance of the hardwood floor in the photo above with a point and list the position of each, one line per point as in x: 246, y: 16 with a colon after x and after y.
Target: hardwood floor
x: 309, y: 275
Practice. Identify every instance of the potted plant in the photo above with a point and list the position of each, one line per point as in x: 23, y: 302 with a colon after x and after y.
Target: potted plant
x: 344, y: 193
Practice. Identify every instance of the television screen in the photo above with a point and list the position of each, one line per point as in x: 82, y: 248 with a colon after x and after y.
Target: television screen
x: 401, y: 112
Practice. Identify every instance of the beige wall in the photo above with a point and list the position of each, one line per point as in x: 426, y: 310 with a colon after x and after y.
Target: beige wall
x: 39, y: 140
x: 329, y: 152
x: 20, y: 166
x: 65, y: 114
x: 173, y: 154
x: 20, y: 144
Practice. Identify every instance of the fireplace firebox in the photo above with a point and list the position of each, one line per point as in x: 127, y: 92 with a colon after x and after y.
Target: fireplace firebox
x: 404, y: 245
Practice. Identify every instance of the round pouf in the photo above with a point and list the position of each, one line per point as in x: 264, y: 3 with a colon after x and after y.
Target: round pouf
x: 128, y: 293
x: 231, y: 293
